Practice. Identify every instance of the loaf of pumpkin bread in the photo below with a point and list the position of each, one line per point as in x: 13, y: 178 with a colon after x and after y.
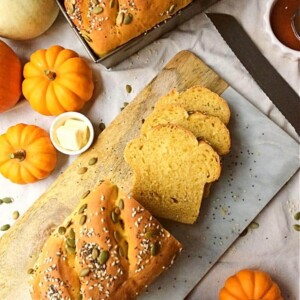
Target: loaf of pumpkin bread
x: 110, y: 247
x: 107, y: 24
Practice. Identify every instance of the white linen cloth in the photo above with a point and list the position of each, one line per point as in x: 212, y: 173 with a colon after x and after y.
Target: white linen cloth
x: 274, y: 246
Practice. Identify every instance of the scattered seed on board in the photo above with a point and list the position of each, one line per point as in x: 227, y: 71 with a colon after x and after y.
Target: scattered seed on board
x: 82, y: 170
x: 101, y: 126
x: 15, y: 215
x: 85, y: 194
x: 92, y: 161
x: 7, y: 200
x: 128, y: 88
x: 5, y: 227
x: 62, y: 230
x: 296, y: 227
x: 297, y: 216
x: 253, y: 225
x: 30, y: 271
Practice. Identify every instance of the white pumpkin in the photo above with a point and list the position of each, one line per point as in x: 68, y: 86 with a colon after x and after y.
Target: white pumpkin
x: 26, y: 19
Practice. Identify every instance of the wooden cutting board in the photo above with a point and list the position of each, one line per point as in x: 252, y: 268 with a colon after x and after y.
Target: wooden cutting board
x: 20, y: 246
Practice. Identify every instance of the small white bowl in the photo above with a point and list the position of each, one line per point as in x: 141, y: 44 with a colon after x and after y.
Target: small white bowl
x: 60, y: 120
x: 286, y: 51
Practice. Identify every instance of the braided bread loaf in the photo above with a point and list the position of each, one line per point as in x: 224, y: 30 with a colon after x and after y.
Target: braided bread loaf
x: 110, y: 247
x: 107, y: 24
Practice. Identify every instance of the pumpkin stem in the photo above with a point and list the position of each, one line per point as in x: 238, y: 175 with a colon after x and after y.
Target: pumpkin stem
x: 20, y: 155
x: 49, y: 74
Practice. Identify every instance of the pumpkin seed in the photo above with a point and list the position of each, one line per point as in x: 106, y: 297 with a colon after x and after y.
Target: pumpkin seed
x: 95, y: 2
x: 87, y: 38
x: 7, y: 200
x: 151, y: 233
x: 95, y: 253
x: 1, y: 201
x: 85, y: 194
x: 70, y: 250
x: 82, y: 170
x: 121, y: 252
x: 244, y: 232
x: 15, y: 215
x: 70, y: 8
x: 62, y: 230
x: 296, y: 227
x: 117, y: 210
x: 297, y: 216
x: 121, y: 204
x: 103, y: 257
x: 82, y: 208
x: 128, y: 88
x: 30, y: 271
x: 72, y: 234
x: 154, y: 249
x: 84, y: 272
x: 112, y: 3
x: 92, y: 161
x: 82, y: 220
x: 69, y: 223
x: 98, y: 10
x: 253, y: 225
x: 120, y: 18
x: 114, y: 217
x: 5, y: 227
x: 172, y: 8
x: 128, y: 19
x: 71, y: 243
x: 117, y: 236
x: 101, y: 126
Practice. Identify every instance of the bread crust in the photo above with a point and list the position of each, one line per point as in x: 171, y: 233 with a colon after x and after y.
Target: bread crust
x: 104, y: 32
x: 131, y: 265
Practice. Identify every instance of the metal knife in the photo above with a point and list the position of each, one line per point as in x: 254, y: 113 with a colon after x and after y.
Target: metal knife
x: 270, y: 81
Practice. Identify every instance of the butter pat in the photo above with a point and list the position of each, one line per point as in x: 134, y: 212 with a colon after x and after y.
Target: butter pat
x: 73, y: 134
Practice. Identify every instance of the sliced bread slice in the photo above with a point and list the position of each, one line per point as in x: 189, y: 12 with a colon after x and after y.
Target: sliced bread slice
x: 198, y: 98
x: 171, y: 169
x: 208, y: 128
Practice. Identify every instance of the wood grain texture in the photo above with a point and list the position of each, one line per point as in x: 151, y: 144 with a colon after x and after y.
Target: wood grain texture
x: 20, y: 246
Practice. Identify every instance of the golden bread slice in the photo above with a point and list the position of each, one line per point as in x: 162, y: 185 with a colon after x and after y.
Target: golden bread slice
x: 208, y: 128
x: 171, y: 169
x: 198, y: 98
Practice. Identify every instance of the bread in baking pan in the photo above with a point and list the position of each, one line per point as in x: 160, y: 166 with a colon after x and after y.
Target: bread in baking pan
x: 107, y: 24
x: 171, y: 168
x: 198, y: 98
x: 208, y: 128
x: 110, y: 247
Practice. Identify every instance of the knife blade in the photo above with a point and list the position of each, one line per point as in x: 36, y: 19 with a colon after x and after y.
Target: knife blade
x: 266, y: 76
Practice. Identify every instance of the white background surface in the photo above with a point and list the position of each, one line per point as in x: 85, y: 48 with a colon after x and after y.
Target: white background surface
x: 274, y: 246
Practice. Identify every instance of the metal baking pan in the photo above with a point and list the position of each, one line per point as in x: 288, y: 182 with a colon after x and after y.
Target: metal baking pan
x: 126, y: 50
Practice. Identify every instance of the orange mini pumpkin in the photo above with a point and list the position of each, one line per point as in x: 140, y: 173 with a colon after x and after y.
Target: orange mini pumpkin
x: 10, y: 77
x: 57, y: 80
x: 250, y: 285
x: 26, y: 154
